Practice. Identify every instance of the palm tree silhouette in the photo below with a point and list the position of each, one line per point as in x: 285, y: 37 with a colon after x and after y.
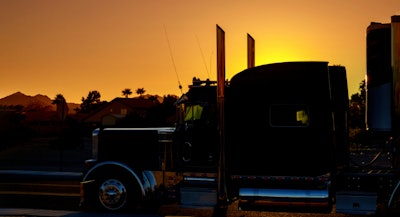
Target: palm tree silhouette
x: 140, y: 91
x: 126, y: 92
x: 62, y: 107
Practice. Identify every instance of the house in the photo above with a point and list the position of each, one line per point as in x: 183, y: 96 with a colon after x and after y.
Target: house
x: 118, y: 109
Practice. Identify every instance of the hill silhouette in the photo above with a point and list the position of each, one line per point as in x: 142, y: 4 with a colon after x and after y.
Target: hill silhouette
x: 19, y: 98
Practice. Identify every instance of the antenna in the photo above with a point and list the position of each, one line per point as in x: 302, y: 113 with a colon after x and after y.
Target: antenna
x: 202, y: 55
x: 173, y: 62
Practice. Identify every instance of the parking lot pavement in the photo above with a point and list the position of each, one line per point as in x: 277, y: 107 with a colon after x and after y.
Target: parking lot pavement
x: 35, y: 212
x: 18, y: 212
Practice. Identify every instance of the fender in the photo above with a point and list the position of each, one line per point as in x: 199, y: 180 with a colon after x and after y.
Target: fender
x: 149, y: 175
x: 117, y: 164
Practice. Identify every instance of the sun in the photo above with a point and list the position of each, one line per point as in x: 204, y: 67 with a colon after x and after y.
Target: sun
x: 282, y: 54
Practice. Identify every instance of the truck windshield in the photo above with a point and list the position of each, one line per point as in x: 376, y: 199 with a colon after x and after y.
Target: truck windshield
x: 289, y: 115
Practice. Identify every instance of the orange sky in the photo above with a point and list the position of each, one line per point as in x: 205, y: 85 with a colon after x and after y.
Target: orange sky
x: 72, y: 47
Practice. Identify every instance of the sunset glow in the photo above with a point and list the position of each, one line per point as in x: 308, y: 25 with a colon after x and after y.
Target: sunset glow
x: 72, y: 47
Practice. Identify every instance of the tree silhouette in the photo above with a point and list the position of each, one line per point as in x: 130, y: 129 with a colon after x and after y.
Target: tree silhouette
x: 59, y: 98
x: 357, y: 108
x: 126, y: 92
x: 90, y: 103
x: 140, y: 92
x: 153, y: 98
x: 62, y: 107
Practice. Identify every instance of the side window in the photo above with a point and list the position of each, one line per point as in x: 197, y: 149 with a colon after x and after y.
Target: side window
x: 286, y: 115
x: 193, y: 112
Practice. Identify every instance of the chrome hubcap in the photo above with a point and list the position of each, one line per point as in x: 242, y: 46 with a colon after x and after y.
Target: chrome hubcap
x: 112, y: 194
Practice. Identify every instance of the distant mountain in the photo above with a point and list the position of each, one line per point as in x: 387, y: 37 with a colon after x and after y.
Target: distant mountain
x: 19, y: 98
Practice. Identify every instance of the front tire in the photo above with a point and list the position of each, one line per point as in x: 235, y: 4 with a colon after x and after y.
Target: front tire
x: 115, y: 193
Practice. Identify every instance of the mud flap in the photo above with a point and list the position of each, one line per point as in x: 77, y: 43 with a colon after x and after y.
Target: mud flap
x: 349, y: 202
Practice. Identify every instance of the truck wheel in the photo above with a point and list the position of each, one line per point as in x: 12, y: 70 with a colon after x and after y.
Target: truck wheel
x: 116, y: 195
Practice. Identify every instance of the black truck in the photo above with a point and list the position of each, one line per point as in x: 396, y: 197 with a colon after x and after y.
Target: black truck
x: 275, y: 135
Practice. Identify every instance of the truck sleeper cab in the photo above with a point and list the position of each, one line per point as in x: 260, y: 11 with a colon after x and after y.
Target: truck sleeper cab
x: 286, y: 133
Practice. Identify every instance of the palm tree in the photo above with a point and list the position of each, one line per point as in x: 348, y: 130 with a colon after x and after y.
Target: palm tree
x: 126, y: 92
x: 62, y: 107
x: 58, y: 99
x: 140, y: 92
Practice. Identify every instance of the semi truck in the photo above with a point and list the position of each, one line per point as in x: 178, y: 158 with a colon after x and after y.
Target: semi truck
x: 274, y: 136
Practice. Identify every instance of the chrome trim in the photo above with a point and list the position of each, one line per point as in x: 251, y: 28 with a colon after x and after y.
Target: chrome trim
x: 158, y: 129
x: 395, y: 190
x: 112, y: 194
x: 187, y: 150
x: 284, y: 193
x: 199, y: 179
x: 95, y: 143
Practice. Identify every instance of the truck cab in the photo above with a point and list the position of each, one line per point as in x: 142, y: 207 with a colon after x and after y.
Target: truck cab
x: 285, y: 136
x: 286, y: 133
